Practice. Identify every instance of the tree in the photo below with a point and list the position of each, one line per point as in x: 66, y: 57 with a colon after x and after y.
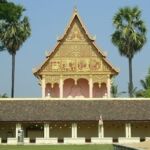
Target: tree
x: 9, y: 12
x: 114, y: 91
x: 145, y: 92
x: 146, y: 82
x: 14, y: 30
x: 129, y: 36
x: 3, y: 95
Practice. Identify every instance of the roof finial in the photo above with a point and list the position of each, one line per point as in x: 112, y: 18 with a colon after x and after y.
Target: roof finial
x: 75, y: 8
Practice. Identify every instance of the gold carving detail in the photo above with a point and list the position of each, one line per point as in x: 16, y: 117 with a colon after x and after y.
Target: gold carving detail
x: 75, y: 55
x: 75, y: 33
x: 105, y: 67
x: 52, y: 79
x: 74, y: 65
x: 75, y: 50
x: 100, y: 79
x: 76, y: 77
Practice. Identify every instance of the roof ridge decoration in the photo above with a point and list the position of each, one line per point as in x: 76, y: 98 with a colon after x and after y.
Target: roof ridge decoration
x: 89, y: 37
x: 76, y: 14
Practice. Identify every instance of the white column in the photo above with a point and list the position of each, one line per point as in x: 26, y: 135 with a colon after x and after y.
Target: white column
x: 91, y: 87
x: 18, y: 127
x: 128, y: 130
x: 100, y: 131
x: 74, y: 130
x: 43, y: 86
x: 46, y: 130
x: 108, y: 87
x: 61, y: 87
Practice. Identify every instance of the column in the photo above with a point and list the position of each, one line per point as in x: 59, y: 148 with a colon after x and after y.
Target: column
x: 43, y: 86
x: 108, y: 87
x: 90, y: 87
x: 128, y: 130
x: 61, y: 87
x: 100, y: 131
x: 74, y: 130
x: 46, y: 130
x: 18, y: 127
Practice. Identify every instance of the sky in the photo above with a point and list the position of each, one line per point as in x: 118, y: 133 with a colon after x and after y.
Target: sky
x: 49, y: 18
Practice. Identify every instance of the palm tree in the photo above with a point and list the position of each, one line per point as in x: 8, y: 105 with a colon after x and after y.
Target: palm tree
x: 12, y: 35
x: 146, y: 82
x: 129, y: 36
x: 145, y: 92
x: 114, y: 91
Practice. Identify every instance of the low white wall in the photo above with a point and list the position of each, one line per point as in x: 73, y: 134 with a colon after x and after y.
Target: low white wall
x: 12, y: 141
x: 46, y: 140
x: 26, y: 140
x: 123, y: 140
x: 79, y: 140
x: 96, y: 140
x: 147, y: 138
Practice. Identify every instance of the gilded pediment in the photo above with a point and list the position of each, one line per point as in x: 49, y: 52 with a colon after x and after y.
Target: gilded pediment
x: 75, y: 33
x: 76, y: 53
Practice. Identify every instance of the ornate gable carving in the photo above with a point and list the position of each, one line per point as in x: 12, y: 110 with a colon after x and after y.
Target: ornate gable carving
x: 75, y: 34
x: 76, y: 54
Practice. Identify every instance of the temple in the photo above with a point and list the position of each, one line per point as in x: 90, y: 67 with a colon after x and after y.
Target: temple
x: 76, y: 105
x: 76, y: 67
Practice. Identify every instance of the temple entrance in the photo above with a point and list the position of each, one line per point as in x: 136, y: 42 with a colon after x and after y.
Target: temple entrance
x: 78, y: 89
x: 99, y: 91
x: 52, y: 90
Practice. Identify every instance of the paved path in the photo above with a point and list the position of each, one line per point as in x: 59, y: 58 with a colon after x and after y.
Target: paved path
x: 141, y: 146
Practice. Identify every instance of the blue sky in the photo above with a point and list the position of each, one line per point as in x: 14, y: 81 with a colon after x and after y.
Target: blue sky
x: 48, y: 19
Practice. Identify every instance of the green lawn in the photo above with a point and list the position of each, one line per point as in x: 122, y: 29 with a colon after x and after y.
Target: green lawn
x: 58, y: 147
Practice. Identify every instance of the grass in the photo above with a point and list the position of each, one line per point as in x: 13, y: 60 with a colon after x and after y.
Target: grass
x: 57, y: 147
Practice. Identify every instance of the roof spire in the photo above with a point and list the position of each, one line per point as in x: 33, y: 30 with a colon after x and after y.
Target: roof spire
x: 75, y: 10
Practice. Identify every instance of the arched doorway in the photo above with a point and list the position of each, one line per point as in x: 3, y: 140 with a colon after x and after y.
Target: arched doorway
x: 52, y: 91
x: 80, y: 89
x: 99, y: 91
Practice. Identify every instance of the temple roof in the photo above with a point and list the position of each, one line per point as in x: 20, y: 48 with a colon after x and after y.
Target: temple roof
x: 74, y: 110
x: 75, y: 18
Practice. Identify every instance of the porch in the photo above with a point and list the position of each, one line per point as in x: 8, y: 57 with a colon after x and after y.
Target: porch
x: 81, y: 132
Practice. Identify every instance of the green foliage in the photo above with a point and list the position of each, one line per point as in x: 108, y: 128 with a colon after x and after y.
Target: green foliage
x: 9, y: 11
x: 145, y: 92
x: 129, y: 35
x: 14, y: 31
x: 3, y: 95
x: 114, y: 91
x: 14, y: 34
x: 146, y: 82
